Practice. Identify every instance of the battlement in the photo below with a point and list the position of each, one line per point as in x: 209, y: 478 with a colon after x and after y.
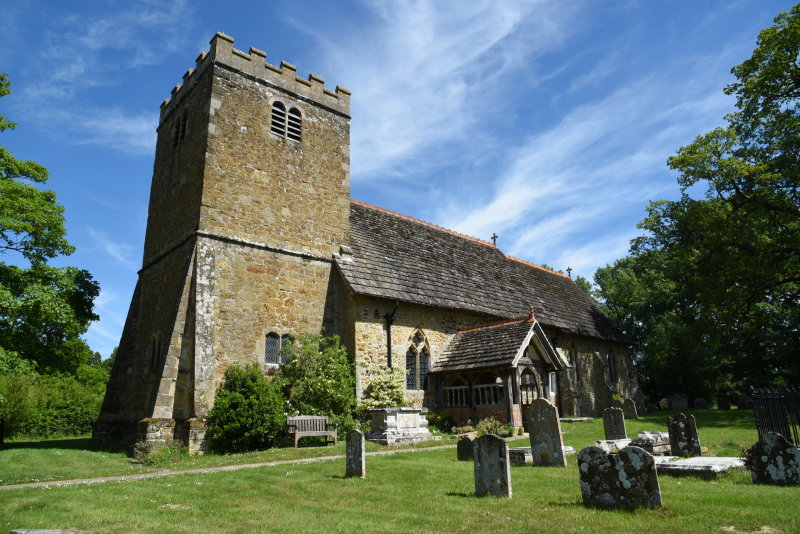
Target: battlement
x: 253, y: 63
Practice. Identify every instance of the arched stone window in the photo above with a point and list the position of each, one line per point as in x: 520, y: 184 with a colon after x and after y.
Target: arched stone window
x: 417, y: 362
x: 286, y: 125
x: 273, y: 346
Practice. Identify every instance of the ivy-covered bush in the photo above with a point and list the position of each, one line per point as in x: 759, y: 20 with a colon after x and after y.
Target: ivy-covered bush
x: 319, y: 379
x: 490, y: 425
x: 248, y: 412
x: 386, y: 389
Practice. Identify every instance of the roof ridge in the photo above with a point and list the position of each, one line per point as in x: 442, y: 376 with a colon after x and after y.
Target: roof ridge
x: 423, y: 222
x: 553, y: 271
x: 487, y: 326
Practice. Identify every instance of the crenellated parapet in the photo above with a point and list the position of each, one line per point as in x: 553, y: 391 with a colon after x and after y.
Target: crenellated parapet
x: 254, y: 64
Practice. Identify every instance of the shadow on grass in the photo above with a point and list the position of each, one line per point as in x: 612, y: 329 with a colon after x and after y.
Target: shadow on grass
x: 460, y: 494
x: 79, y: 443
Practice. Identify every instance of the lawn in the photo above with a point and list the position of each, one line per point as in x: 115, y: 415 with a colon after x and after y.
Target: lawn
x: 427, y: 491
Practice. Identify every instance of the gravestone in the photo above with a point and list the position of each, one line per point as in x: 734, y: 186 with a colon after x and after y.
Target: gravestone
x: 614, y: 424
x: 700, y: 404
x: 629, y: 409
x: 652, y: 442
x: 492, y: 467
x: 683, y: 439
x: 545, y: 434
x: 773, y: 460
x: 464, y: 449
x: 663, y: 404
x: 354, y: 457
x: 627, y: 479
x: 678, y: 401
x: 723, y: 402
x: 616, y: 403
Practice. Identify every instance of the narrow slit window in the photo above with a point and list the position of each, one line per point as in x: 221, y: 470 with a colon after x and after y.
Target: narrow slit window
x: 272, y: 349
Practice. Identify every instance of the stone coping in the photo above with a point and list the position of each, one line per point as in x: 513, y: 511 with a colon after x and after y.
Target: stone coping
x: 698, y: 466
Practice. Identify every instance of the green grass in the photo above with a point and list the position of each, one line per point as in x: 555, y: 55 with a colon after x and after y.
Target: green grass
x: 725, y: 433
x: 428, y: 491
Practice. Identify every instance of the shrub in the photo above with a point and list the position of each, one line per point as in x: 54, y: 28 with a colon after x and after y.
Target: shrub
x: 16, y: 403
x: 386, y: 388
x: 319, y: 379
x: 248, y: 412
x: 442, y: 421
x: 463, y: 429
x: 63, y: 406
x: 490, y: 425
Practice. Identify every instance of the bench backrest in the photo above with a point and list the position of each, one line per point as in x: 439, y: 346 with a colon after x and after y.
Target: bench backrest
x: 309, y: 423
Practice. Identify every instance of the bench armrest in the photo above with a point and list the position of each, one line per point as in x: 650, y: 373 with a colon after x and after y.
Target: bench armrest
x: 333, y: 425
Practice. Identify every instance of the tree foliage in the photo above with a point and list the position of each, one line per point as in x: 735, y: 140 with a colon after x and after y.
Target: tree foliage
x: 386, y: 388
x: 319, y: 378
x: 43, y: 309
x: 711, y: 293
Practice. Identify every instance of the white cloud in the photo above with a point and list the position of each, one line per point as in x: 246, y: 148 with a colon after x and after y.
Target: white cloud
x: 427, y: 72
x: 120, y: 252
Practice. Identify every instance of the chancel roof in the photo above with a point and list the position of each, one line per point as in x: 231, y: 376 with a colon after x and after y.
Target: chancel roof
x: 400, y: 258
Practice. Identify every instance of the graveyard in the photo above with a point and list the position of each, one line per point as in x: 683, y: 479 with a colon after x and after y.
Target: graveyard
x: 424, y: 488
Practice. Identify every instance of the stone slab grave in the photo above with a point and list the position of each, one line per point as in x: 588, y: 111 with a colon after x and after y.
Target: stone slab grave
x: 683, y: 439
x: 396, y: 426
x: 627, y: 479
x: 492, y: 467
x: 653, y: 442
x: 614, y: 423
x: 355, y: 453
x: 464, y: 449
x: 545, y: 434
x: 629, y: 409
x: 773, y: 460
x: 697, y: 466
x: 612, y: 445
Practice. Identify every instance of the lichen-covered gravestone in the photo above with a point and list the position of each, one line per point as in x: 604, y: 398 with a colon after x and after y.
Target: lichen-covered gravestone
x: 354, y: 457
x: 464, y: 449
x: 629, y: 409
x: 773, y: 460
x: 683, y: 439
x: 614, y: 423
x: 492, y: 468
x: 627, y: 479
x: 545, y: 434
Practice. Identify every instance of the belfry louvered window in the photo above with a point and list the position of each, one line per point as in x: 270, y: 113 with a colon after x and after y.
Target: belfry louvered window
x: 417, y: 363
x: 287, y: 125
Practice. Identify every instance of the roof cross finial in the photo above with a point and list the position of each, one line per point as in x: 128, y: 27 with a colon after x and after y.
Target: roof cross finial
x: 494, y: 238
x: 569, y: 272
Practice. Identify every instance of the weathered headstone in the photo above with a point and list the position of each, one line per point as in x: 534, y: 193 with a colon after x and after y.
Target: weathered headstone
x: 627, y: 479
x: 616, y: 403
x: 773, y: 460
x: 464, y: 449
x: 614, y: 423
x: 678, y: 401
x: 663, y: 404
x: 545, y: 434
x: 629, y: 409
x: 652, y: 442
x: 700, y: 404
x: 652, y: 408
x: 354, y: 455
x: 723, y: 402
x: 492, y: 467
x: 683, y: 439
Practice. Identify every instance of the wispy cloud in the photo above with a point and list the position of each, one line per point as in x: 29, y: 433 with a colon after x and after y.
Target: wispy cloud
x: 425, y: 73
x: 121, y: 252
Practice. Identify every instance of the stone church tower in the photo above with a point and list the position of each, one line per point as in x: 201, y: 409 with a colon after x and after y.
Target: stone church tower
x: 249, y: 202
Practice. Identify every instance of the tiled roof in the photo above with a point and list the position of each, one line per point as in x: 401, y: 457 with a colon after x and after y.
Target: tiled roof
x: 400, y: 258
x: 483, y: 348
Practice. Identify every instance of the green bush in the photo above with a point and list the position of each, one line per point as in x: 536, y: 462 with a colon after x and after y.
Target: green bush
x: 490, y: 425
x: 248, y: 412
x: 63, y: 407
x: 16, y: 403
x: 443, y: 421
x: 386, y: 388
x: 319, y: 379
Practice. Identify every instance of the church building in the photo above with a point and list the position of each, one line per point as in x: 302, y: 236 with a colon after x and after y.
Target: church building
x: 252, y: 237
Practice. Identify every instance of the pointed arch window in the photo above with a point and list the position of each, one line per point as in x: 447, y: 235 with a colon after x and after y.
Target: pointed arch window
x: 288, y: 125
x: 417, y: 362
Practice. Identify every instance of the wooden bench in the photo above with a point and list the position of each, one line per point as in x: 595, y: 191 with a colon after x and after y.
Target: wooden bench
x: 310, y: 425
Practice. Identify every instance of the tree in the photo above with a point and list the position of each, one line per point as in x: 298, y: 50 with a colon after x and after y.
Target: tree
x: 715, y: 282
x: 43, y: 309
x: 319, y: 378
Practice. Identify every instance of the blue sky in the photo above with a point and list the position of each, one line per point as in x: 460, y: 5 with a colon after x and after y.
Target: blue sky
x: 547, y: 122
